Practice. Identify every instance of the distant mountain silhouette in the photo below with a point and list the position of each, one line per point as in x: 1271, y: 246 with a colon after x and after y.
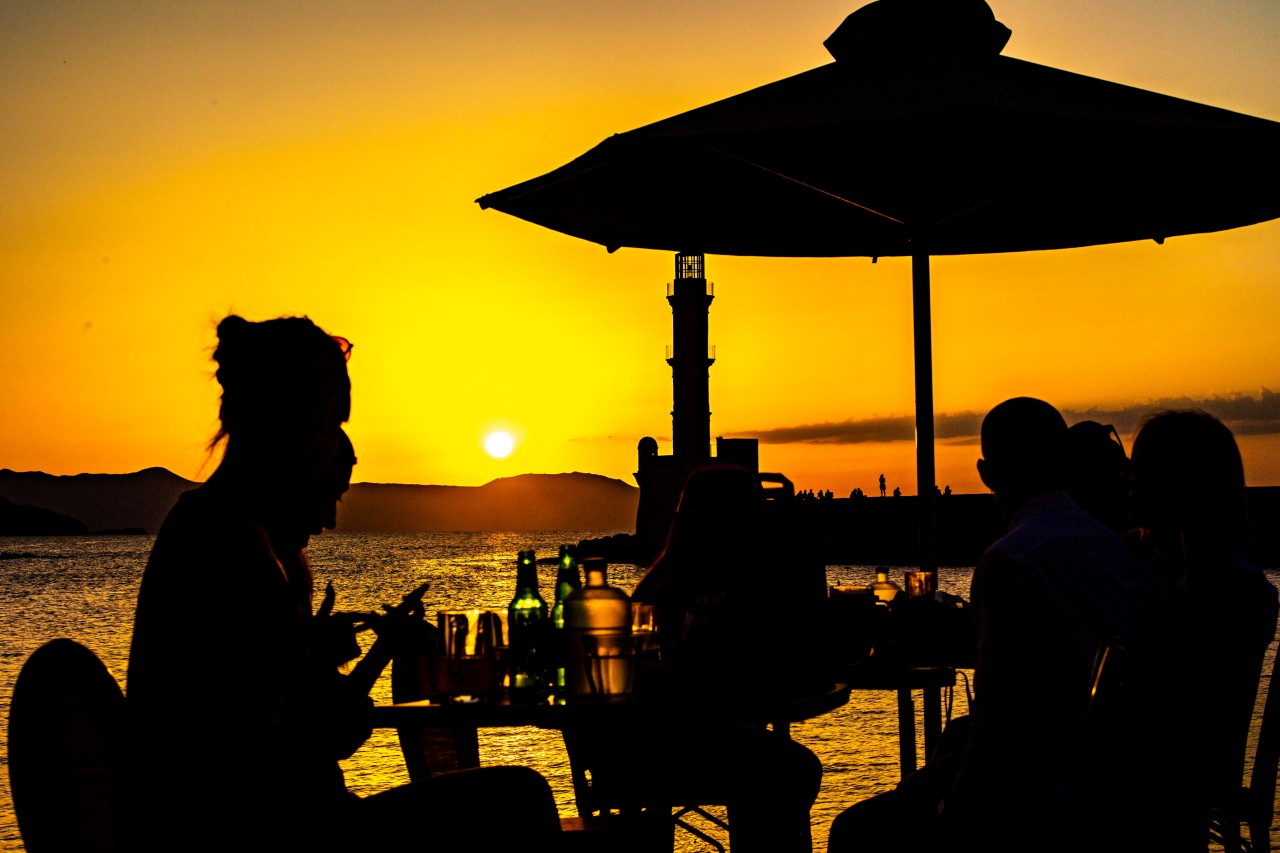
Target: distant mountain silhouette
x: 26, y: 520
x: 102, y: 501
x: 573, y: 501
x: 866, y: 531
x: 107, y: 502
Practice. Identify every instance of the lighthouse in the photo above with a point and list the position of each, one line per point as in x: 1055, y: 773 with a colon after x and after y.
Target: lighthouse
x: 690, y: 356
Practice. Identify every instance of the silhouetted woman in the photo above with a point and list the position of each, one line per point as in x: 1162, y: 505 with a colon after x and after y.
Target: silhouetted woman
x: 1216, y: 610
x: 241, y: 713
x: 738, y: 591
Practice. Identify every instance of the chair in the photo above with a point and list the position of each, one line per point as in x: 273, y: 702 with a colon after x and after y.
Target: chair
x: 1107, y: 801
x: 1110, y: 711
x: 596, y: 803
x: 681, y: 815
x: 65, y: 735
x: 1252, y: 807
x: 1186, y: 769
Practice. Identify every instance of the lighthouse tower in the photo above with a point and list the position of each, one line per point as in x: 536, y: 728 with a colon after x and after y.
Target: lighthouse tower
x: 690, y: 357
x: 661, y: 477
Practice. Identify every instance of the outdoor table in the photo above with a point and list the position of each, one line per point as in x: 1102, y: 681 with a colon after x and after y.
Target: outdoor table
x: 929, y: 680
x: 550, y: 714
x: 915, y: 645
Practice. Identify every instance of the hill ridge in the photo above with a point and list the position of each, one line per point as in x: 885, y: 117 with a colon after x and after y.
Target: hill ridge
x: 536, y: 501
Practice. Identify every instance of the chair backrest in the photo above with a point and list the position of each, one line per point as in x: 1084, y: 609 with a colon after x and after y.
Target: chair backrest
x: 1109, y: 708
x: 1266, y: 761
x: 1110, y: 736
x: 66, y: 730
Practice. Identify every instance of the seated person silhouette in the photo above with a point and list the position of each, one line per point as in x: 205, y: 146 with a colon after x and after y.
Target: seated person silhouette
x: 1098, y: 476
x: 1215, y: 616
x: 240, y: 712
x: 1045, y: 596
x: 720, y: 586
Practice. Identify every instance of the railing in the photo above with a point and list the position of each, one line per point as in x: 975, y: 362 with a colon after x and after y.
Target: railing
x: 711, y: 352
x: 711, y: 289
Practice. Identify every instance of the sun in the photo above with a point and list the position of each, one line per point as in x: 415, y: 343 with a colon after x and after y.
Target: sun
x: 499, y: 444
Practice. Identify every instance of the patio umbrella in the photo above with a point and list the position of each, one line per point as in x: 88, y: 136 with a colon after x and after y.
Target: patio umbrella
x: 919, y: 139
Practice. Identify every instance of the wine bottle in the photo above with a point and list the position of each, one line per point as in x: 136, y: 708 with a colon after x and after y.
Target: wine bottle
x: 526, y: 627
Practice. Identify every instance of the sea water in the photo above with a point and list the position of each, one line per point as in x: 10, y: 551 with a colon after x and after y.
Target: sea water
x: 85, y: 588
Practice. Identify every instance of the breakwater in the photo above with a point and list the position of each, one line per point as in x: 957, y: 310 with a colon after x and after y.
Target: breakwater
x: 883, y: 531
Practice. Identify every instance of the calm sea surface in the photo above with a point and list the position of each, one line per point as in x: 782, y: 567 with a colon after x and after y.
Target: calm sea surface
x: 85, y: 588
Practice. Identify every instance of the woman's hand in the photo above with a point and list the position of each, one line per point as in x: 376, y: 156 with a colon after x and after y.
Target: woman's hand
x: 396, y: 628
x: 396, y: 620
x: 334, y: 635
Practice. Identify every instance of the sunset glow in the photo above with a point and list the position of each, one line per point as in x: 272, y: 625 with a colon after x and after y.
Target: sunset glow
x: 170, y: 165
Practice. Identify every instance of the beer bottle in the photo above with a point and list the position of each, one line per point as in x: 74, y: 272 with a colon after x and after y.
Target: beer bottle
x: 568, y: 578
x: 526, y: 627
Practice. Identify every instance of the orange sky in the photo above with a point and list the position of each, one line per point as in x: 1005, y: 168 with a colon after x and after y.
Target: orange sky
x: 164, y: 164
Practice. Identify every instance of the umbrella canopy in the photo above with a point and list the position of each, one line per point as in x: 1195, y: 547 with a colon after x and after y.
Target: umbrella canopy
x: 918, y: 139
x: 915, y: 138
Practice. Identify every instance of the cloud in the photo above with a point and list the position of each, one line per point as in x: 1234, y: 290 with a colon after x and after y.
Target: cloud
x: 896, y: 428
x: 1243, y: 413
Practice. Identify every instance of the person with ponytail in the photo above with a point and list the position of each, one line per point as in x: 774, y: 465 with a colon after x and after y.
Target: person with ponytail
x: 240, y: 713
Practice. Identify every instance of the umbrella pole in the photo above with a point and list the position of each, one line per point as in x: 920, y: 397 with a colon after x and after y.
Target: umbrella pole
x: 926, y: 491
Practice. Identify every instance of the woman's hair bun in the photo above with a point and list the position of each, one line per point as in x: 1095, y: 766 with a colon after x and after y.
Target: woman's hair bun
x: 232, y: 327
x: 275, y: 372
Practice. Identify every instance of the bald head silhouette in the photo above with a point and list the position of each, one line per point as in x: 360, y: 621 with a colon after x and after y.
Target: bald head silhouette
x: 1024, y: 451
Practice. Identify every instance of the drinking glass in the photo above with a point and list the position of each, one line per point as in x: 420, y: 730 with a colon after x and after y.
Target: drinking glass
x: 643, y: 617
x: 471, y: 640
x: 921, y: 584
x: 611, y: 662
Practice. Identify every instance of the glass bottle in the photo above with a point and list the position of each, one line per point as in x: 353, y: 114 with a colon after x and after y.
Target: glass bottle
x: 886, y: 590
x: 568, y: 579
x: 596, y: 611
x: 526, y: 629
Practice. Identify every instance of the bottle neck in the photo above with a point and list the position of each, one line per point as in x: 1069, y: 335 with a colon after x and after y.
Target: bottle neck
x: 527, y: 580
x: 526, y: 575
x: 566, y: 583
x: 597, y: 576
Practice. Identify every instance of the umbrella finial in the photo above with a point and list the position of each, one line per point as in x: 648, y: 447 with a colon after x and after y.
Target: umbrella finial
x: 918, y: 29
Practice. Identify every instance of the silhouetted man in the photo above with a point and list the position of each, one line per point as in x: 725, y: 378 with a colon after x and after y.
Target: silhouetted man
x: 882, y: 485
x: 1045, y: 596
